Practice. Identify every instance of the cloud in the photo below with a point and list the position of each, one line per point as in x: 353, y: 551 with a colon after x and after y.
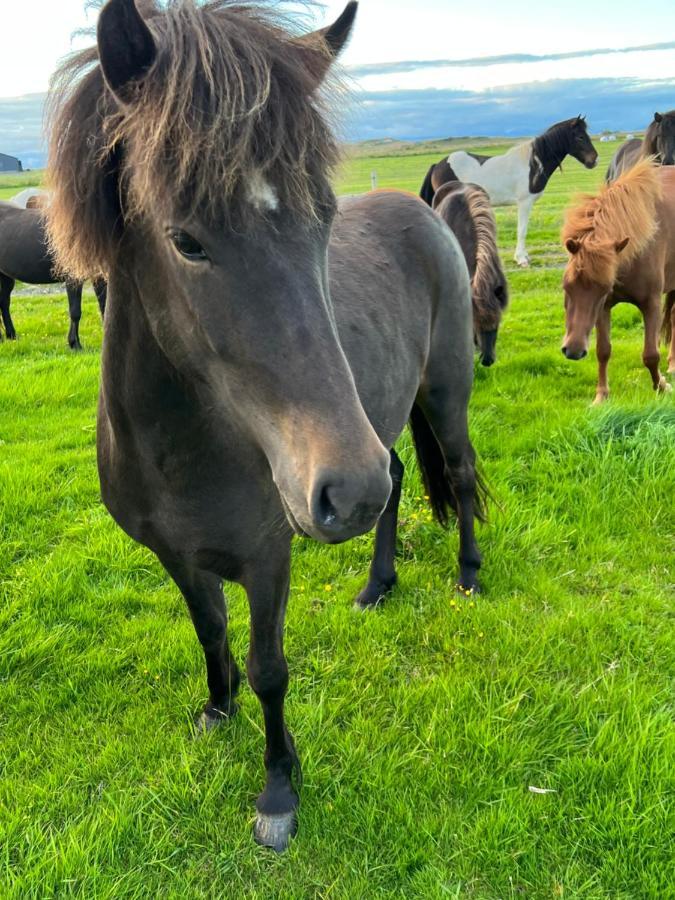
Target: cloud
x: 393, y: 68
x: 510, y: 111
x: 21, y: 129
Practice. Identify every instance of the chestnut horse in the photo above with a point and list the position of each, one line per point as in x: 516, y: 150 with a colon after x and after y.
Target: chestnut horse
x: 466, y: 210
x: 622, y: 249
x: 263, y: 349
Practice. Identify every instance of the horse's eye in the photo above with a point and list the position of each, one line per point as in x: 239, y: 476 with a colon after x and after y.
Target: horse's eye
x: 187, y: 246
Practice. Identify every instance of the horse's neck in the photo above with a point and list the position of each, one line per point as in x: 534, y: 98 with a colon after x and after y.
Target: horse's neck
x: 544, y: 160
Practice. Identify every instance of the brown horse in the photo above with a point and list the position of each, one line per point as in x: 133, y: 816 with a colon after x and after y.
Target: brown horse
x: 659, y: 142
x: 263, y: 349
x: 466, y: 210
x: 622, y: 249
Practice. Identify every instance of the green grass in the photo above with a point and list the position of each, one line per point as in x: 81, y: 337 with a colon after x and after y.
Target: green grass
x: 421, y: 726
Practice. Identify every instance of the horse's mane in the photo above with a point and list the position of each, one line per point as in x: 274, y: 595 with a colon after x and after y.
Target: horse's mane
x: 554, y: 143
x: 475, y: 209
x: 228, y: 98
x: 488, y: 269
x: 625, y: 208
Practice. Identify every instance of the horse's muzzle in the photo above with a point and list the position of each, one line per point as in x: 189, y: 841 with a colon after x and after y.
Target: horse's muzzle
x: 574, y: 354
x: 344, y: 505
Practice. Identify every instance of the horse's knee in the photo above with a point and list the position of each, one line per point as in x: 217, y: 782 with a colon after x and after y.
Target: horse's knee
x: 651, y: 359
x: 268, y: 677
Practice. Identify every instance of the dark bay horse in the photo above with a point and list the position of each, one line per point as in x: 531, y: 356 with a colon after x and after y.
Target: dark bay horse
x: 25, y: 256
x: 622, y: 249
x: 659, y: 142
x: 466, y: 210
x: 261, y: 354
x: 518, y: 176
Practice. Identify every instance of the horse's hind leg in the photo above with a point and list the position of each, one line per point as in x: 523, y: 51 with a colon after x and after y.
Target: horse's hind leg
x: 603, y: 349
x: 651, y: 357
x: 382, y: 576
x: 74, y: 291
x: 6, y: 288
x: 447, y: 416
x: 670, y: 311
x: 203, y: 594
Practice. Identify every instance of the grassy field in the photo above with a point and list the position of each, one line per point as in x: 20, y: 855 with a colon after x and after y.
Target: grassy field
x: 421, y: 727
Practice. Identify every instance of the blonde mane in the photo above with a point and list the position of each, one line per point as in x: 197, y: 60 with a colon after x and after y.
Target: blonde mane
x: 626, y: 208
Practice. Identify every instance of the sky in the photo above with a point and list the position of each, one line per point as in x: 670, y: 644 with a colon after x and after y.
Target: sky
x: 422, y: 69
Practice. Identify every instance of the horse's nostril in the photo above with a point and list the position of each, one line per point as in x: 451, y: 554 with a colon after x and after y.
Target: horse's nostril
x: 563, y: 350
x: 326, y: 513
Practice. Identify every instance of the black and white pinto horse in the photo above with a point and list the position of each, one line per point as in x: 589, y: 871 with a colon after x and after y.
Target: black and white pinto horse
x: 518, y: 176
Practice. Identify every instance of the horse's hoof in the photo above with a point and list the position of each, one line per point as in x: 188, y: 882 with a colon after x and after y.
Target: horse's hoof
x: 600, y: 399
x: 275, y: 832
x: 469, y: 588
x: 212, y: 717
x: 664, y: 386
x: 374, y: 594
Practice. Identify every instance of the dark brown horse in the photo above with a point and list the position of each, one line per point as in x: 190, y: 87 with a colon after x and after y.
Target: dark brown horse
x: 622, y: 249
x: 261, y: 354
x: 24, y: 256
x: 466, y: 209
x: 659, y: 142
x: 518, y: 176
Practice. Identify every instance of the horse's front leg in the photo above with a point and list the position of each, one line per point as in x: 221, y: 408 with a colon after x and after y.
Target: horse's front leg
x: 651, y: 357
x: 203, y: 594
x: 524, y: 210
x: 603, y: 350
x: 6, y: 288
x: 74, y: 291
x: 100, y: 286
x: 266, y: 585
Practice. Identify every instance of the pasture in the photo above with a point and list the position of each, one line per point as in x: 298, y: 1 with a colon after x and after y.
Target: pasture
x: 421, y: 726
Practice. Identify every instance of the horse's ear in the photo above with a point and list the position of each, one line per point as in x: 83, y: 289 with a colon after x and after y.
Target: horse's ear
x: 126, y: 47
x: 321, y: 47
x: 572, y: 246
x: 621, y: 245
x: 658, y: 117
x: 581, y: 120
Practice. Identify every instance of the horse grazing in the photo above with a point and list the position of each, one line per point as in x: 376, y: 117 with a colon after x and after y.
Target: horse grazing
x: 622, y: 249
x: 659, y: 142
x: 518, y: 176
x: 25, y: 256
x: 466, y: 210
x: 257, y: 365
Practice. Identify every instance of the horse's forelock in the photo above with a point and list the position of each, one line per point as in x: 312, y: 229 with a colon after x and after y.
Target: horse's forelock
x: 228, y: 99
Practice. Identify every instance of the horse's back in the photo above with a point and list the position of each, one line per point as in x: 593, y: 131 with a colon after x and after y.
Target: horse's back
x: 504, y: 176
x: 625, y: 157
x: 400, y: 290
x: 24, y: 254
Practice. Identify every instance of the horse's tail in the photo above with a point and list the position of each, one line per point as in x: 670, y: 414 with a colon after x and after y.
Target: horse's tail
x: 667, y: 324
x: 434, y: 476
x: 427, y: 189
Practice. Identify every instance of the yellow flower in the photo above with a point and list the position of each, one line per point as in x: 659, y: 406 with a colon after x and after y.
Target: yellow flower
x: 328, y: 587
